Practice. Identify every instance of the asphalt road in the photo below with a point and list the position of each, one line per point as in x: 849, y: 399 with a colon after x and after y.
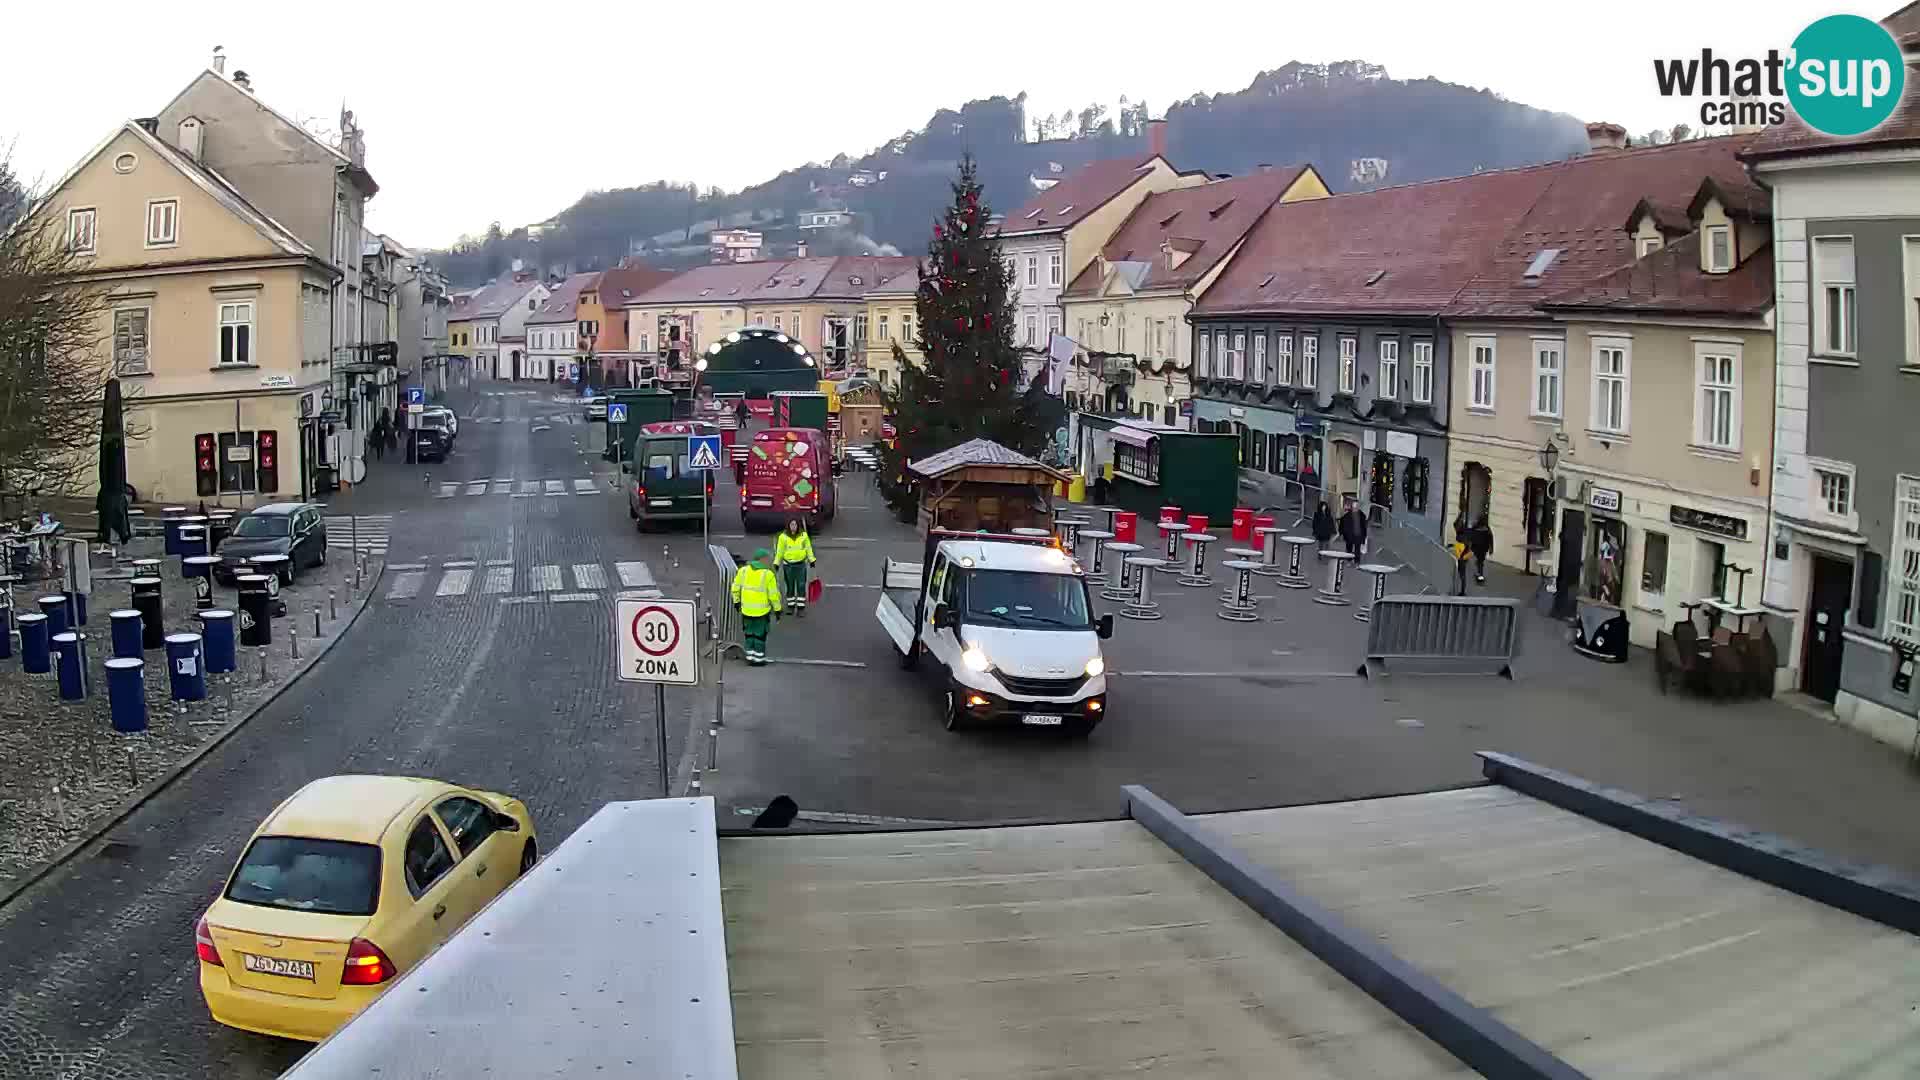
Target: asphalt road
x: 510, y: 690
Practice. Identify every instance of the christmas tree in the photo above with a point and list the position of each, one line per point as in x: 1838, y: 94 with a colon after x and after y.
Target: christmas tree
x: 969, y: 384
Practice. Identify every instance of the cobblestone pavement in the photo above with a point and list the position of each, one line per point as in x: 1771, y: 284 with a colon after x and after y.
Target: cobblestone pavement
x: 518, y: 697
x: 62, y: 766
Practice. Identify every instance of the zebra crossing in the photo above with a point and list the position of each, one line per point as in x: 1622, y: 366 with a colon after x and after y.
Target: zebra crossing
x: 555, y: 582
x: 370, y: 532
x: 519, y: 489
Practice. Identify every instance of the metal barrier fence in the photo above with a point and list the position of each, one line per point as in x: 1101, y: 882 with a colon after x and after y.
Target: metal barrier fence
x: 726, y: 617
x: 1454, y: 634
x: 1391, y: 536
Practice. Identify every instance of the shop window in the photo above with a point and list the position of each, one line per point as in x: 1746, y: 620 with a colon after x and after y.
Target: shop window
x: 1380, y: 479
x: 1414, y: 485
x: 1606, y: 567
x: 1258, y: 458
x: 1138, y: 463
x: 1653, y: 570
x: 1537, y: 500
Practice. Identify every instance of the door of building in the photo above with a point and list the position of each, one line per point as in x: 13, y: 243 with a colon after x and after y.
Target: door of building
x: 1827, y: 604
x: 1476, y: 486
x: 1573, y: 546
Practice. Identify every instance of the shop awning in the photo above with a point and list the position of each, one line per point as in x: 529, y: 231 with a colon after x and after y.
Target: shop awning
x: 1131, y: 436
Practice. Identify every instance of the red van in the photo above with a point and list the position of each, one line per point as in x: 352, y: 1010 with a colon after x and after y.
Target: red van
x: 788, y: 474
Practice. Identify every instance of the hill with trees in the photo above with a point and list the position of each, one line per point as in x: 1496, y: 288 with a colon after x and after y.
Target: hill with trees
x: 1359, y: 126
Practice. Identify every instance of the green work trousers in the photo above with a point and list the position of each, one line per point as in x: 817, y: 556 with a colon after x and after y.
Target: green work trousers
x: 793, y: 582
x: 754, y: 629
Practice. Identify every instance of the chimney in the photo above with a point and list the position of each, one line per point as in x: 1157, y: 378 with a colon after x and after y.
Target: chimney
x: 219, y: 60
x: 240, y: 80
x: 1157, y: 137
x: 800, y: 250
x: 1602, y: 136
x: 190, y: 135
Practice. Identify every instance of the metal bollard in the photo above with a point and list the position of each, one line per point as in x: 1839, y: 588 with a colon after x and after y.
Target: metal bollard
x: 133, y: 768
x: 333, y: 611
x: 713, y: 749
x: 293, y: 639
x: 316, y: 622
x: 693, y: 785
x: 262, y: 652
x: 59, y: 806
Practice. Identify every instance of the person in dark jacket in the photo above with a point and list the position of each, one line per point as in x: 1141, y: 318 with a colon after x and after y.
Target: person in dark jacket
x: 1353, y: 528
x: 1480, y: 540
x: 1322, y: 528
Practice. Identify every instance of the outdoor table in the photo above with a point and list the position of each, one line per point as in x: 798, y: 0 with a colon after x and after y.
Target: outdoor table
x: 1292, y: 578
x: 1380, y: 572
x: 1269, y: 550
x: 1740, y: 615
x: 1120, y: 585
x: 1113, y: 514
x: 1333, y: 595
x: 1196, y: 575
x: 1028, y: 530
x: 1239, y: 606
x: 1172, y: 530
x: 1099, y: 538
x: 1070, y: 531
x: 1251, y: 555
x: 1142, y: 605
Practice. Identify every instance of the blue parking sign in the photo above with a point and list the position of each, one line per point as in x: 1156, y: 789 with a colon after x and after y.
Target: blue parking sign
x: 616, y: 413
x: 416, y: 395
x: 703, y: 451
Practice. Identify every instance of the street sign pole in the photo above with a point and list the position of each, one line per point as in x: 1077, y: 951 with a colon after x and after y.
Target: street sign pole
x: 657, y: 641
x: 660, y: 733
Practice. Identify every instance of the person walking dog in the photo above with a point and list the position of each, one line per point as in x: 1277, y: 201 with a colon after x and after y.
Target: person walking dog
x: 756, y: 593
x: 793, y: 554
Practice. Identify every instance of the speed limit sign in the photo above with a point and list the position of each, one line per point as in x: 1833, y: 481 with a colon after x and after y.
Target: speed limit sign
x: 657, y: 641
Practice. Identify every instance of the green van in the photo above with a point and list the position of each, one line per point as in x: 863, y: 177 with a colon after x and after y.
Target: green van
x: 660, y: 486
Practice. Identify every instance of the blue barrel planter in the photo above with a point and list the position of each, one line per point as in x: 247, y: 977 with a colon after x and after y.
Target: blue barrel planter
x: 6, y: 631
x: 77, y: 607
x: 55, y: 609
x: 198, y: 569
x: 36, y: 656
x: 127, y: 638
x: 185, y: 670
x: 171, y: 541
x: 146, y: 600
x: 127, y: 694
x: 193, y: 536
x: 216, y: 629
x: 217, y: 640
x: 70, y: 660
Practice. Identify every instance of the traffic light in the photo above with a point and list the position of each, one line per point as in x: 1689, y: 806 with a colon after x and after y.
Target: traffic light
x: 269, y: 450
x: 206, y: 469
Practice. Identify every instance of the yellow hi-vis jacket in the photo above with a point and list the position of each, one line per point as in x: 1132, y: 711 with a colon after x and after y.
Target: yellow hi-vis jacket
x: 792, y: 549
x: 756, y: 590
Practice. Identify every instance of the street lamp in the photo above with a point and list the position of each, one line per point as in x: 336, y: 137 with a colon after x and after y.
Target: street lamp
x: 1549, y: 456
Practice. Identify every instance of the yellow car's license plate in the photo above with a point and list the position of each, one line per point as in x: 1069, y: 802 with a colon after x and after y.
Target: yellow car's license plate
x: 273, y: 965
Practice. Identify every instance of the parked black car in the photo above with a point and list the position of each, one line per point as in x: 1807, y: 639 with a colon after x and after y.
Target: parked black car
x: 296, y: 530
x: 435, y: 437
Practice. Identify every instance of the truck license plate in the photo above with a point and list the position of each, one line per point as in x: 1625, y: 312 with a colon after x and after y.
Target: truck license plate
x: 1043, y: 719
x: 273, y: 965
x: 660, y: 502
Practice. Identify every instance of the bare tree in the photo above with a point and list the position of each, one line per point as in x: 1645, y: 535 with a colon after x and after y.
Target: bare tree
x: 54, y: 360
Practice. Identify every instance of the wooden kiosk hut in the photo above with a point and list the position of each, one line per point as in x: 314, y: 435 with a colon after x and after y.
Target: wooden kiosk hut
x: 981, y: 486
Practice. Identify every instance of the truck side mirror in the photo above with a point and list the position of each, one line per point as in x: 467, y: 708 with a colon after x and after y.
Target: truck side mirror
x: 1104, y: 628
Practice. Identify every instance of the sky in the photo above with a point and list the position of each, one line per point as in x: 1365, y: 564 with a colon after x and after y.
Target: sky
x: 484, y: 112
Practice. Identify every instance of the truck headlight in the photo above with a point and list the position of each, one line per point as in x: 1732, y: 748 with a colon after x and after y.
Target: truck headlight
x: 976, y: 658
x: 1095, y: 667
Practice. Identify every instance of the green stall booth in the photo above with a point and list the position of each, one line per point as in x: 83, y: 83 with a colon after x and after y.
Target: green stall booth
x: 1149, y: 465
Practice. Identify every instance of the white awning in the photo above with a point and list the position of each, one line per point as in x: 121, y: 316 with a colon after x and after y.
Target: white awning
x: 1131, y: 436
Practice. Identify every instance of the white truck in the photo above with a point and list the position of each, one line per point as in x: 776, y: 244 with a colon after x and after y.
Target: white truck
x: 1009, y: 625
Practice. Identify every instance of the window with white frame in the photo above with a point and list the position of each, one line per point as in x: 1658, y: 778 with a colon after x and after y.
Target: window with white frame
x: 80, y: 235
x: 1012, y: 276
x: 1033, y: 269
x: 1423, y: 372
x: 1716, y: 410
x: 1283, y: 359
x: 236, y: 332
x: 1834, y: 317
x: 1612, y: 368
x: 1719, y: 248
x: 1033, y: 330
x: 1480, y: 372
x: 884, y: 336
x: 1053, y: 268
x: 1546, y: 376
x: 1903, y: 599
x: 778, y: 325
x: 1389, y: 386
x: 1205, y: 365
x: 906, y: 328
x: 1120, y: 334
x: 1239, y: 356
x: 1910, y: 265
x: 1053, y: 324
x: 1260, y: 358
x: 1832, y: 483
x: 1349, y: 352
x: 1310, y: 360
x: 163, y: 222
x: 1646, y: 245
x: 130, y: 341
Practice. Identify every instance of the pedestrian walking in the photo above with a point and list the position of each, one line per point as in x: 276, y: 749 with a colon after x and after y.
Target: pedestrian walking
x: 1100, y: 487
x: 1480, y: 540
x: 756, y: 593
x: 377, y: 439
x: 793, y: 554
x: 1353, y: 528
x: 1322, y: 528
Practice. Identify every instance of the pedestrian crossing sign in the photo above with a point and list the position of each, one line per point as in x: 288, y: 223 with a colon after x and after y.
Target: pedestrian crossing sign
x: 617, y: 413
x: 703, y: 451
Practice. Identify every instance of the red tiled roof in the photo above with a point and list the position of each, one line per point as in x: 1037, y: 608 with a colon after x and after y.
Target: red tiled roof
x: 1317, y: 256
x: 1066, y: 203
x: 1793, y: 138
x: 1580, y: 214
x: 628, y: 280
x: 1670, y: 282
x: 564, y: 302
x: 1205, y: 221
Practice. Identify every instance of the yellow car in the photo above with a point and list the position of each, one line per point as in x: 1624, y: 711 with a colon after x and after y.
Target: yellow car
x: 345, y: 885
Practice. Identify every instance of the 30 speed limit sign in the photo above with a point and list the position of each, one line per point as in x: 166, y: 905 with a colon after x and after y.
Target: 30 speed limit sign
x: 659, y: 642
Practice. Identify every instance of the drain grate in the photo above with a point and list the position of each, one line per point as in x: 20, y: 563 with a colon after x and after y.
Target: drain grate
x: 118, y: 850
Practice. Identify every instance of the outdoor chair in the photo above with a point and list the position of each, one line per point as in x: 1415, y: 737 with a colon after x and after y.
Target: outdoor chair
x: 1726, y: 674
x: 1762, y: 659
x: 1671, y: 662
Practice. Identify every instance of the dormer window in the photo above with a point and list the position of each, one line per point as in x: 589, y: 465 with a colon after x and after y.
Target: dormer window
x: 1719, y: 239
x: 1645, y: 245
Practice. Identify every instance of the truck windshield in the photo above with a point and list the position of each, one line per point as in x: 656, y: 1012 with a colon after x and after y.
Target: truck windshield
x: 1027, y: 600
